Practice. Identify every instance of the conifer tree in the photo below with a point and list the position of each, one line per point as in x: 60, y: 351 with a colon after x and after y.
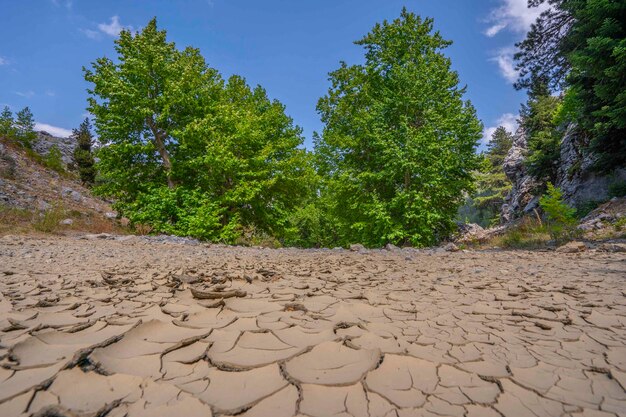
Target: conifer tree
x: 25, y: 127
x: 6, y: 122
x: 83, y: 155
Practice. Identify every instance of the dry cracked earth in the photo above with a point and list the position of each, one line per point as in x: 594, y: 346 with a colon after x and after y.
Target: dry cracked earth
x: 136, y: 328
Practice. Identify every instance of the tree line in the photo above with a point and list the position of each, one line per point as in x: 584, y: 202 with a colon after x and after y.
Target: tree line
x: 191, y: 153
x: 572, y: 64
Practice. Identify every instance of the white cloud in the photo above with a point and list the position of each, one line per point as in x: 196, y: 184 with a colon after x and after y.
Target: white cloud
x: 91, y: 34
x: 114, y: 28
x: 50, y: 93
x: 513, y: 15
x: 504, y: 59
x: 67, y: 3
x: 26, y: 94
x: 3, y: 61
x: 53, y: 130
x: 507, y: 120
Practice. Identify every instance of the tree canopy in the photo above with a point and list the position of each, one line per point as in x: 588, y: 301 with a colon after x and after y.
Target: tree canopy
x: 398, y: 147
x: 578, y: 47
x: 187, y: 152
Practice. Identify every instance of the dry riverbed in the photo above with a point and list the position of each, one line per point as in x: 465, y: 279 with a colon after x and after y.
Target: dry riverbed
x: 136, y: 327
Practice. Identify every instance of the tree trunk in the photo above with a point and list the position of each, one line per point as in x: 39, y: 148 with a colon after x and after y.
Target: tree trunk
x: 159, y: 143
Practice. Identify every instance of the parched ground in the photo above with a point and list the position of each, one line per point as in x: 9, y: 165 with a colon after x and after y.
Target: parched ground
x: 134, y: 327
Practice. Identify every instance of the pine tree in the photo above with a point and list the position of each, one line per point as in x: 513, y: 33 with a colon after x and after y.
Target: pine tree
x: 83, y: 156
x: 492, y: 185
x: 25, y: 127
x: 6, y: 123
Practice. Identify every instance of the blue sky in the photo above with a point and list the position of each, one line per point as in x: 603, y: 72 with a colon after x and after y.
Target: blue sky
x: 287, y: 46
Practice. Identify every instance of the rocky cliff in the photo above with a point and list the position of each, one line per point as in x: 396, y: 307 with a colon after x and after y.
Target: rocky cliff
x: 575, y: 176
x: 45, y: 141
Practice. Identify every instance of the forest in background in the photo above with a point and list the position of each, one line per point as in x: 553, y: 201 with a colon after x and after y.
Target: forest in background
x: 185, y: 152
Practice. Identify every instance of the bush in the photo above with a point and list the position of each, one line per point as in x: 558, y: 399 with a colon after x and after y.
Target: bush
x: 529, y: 233
x: 561, y: 218
x: 54, y: 160
x: 48, y: 221
x: 617, y: 189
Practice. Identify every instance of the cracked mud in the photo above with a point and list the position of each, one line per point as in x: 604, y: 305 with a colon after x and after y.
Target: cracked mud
x: 135, y: 328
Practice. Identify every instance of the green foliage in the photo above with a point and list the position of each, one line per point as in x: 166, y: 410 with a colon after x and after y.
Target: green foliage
x: 397, y: 150
x: 53, y: 159
x: 586, y: 207
x: 83, y: 155
x: 579, y: 46
x: 7, y: 123
x: 492, y: 185
x: 617, y: 189
x: 596, y: 49
x: 561, y: 218
x: 48, y: 221
x: 544, y: 139
x: 528, y: 233
x: 25, y: 127
x: 188, y: 153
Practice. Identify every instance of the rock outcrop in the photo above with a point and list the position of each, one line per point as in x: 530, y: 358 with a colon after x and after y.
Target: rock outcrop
x: 521, y: 198
x: 575, y: 176
x: 45, y: 141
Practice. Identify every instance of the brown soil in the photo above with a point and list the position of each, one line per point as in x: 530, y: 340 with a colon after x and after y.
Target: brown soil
x: 130, y: 327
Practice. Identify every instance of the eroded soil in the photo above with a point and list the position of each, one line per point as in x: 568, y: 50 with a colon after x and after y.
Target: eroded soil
x: 101, y: 327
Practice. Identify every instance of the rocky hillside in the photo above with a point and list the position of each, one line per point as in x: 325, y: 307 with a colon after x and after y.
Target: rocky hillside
x: 26, y: 184
x: 579, y: 183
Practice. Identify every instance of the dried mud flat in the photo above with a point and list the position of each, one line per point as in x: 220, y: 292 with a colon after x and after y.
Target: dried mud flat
x: 137, y: 328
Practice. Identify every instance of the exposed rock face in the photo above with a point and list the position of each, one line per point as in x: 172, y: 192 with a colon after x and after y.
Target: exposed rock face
x: 521, y: 198
x: 575, y: 176
x: 45, y: 141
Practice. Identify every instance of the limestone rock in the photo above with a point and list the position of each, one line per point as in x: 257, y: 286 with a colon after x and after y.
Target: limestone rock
x: 572, y: 247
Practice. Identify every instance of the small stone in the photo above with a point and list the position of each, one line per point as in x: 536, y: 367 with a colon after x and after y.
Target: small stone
x: 110, y: 215
x: 612, y: 247
x: 66, y: 222
x: 391, y: 247
x: 572, y: 247
x: 451, y: 247
x: 357, y: 247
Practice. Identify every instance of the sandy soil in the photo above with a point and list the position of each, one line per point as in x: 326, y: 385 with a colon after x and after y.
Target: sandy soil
x: 137, y: 328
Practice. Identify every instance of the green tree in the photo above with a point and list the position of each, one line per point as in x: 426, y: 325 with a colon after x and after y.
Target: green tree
x: 537, y: 119
x: 53, y: 159
x: 25, y: 127
x: 597, y: 53
x: 144, y: 102
x: 580, y: 45
x: 188, y: 153
x: 83, y: 155
x: 492, y: 184
x: 7, y: 122
x: 561, y: 218
x: 398, y: 146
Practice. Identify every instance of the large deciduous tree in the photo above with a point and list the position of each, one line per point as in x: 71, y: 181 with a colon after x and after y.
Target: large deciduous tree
x: 144, y: 101
x: 398, y: 146
x: 188, y: 153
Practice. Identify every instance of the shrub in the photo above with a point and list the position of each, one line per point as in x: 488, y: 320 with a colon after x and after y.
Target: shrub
x: 561, y: 218
x: 529, y: 233
x: 48, y: 221
x: 54, y: 160
x: 617, y: 189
